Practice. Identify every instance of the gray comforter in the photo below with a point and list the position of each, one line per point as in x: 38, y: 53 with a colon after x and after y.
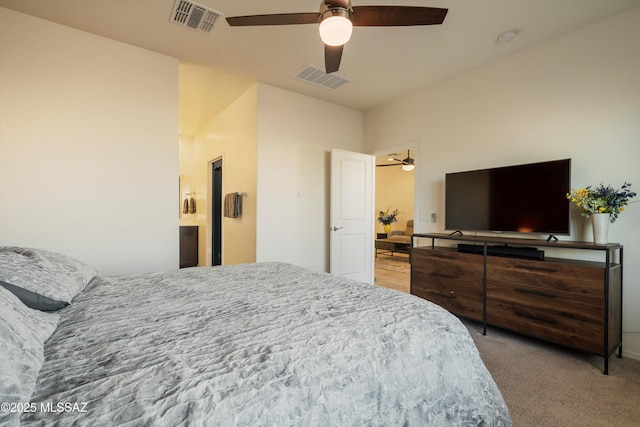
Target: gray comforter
x: 262, y: 344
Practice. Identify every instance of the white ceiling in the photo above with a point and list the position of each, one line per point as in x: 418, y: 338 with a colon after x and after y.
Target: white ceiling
x: 384, y: 63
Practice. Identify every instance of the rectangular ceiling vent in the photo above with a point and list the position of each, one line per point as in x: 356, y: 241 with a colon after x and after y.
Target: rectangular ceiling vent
x: 316, y: 75
x: 194, y: 15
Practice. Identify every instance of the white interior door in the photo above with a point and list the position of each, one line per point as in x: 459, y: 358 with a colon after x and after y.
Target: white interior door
x: 352, y: 212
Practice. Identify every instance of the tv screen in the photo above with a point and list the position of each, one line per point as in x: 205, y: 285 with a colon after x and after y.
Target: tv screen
x: 528, y: 198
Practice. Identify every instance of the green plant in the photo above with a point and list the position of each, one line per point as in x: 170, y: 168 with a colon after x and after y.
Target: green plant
x: 602, y: 199
x: 386, y: 217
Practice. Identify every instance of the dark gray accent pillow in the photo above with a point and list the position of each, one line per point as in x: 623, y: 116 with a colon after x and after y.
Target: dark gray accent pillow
x: 42, y: 279
x: 23, y: 332
x: 34, y: 300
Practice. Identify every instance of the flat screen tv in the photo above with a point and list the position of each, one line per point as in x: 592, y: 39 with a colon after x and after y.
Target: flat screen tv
x: 529, y: 198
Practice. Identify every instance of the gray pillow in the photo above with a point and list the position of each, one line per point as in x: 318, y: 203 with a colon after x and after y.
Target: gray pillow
x: 42, y: 279
x: 23, y: 332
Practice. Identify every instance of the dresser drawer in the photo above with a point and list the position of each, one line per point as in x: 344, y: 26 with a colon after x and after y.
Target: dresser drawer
x: 449, y: 279
x: 587, y: 308
x: 548, y: 286
x: 561, y: 302
x: 447, y: 262
x: 575, y: 278
x: 551, y: 325
x: 457, y: 302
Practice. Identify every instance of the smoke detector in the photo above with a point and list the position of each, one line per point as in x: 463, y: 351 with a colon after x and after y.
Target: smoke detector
x: 506, y: 36
x: 194, y: 16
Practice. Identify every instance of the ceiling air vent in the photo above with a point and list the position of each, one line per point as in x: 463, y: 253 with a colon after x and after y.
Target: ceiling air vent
x: 316, y: 75
x: 194, y: 15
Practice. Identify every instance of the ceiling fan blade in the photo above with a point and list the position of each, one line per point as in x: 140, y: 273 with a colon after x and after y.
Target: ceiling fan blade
x: 332, y: 57
x: 402, y: 162
x: 388, y: 16
x: 392, y: 164
x: 276, y: 19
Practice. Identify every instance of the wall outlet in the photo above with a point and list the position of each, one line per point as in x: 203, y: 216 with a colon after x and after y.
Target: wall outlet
x: 433, y: 217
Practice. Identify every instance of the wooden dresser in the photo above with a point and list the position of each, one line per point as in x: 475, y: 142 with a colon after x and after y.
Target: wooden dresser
x: 570, y: 302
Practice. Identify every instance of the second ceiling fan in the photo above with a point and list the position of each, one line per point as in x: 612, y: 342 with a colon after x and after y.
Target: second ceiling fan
x: 407, y: 164
x: 337, y: 18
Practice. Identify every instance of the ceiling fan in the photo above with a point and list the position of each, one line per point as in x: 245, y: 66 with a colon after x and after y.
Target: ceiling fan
x: 407, y: 164
x: 337, y: 18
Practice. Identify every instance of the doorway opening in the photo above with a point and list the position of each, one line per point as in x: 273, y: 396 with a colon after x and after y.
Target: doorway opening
x: 216, y: 212
x: 395, y: 190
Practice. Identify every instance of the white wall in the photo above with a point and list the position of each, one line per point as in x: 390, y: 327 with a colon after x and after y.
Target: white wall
x: 295, y: 137
x: 186, y: 169
x: 88, y: 146
x: 577, y: 96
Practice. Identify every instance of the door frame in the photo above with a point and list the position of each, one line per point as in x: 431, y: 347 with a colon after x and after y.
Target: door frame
x: 410, y: 145
x: 209, y: 239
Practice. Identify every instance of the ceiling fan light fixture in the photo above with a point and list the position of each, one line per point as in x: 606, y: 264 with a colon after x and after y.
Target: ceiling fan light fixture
x: 336, y: 20
x: 336, y: 27
x: 409, y: 163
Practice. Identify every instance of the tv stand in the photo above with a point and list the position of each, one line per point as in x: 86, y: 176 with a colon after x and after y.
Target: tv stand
x: 574, y: 303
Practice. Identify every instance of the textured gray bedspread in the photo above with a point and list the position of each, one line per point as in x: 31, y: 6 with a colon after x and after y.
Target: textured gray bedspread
x: 262, y: 344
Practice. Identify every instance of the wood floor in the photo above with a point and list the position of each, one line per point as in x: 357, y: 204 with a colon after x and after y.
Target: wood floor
x: 392, y: 279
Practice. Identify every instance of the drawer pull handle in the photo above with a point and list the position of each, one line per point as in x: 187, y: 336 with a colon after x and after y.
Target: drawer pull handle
x: 533, y: 317
x: 539, y: 293
x: 530, y: 267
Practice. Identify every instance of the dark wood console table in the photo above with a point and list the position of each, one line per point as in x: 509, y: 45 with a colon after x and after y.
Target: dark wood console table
x: 386, y: 246
x: 570, y: 302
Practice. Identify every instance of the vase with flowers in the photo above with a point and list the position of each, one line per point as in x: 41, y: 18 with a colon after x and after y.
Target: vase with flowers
x: 603, y: 204
x: 386, y: 218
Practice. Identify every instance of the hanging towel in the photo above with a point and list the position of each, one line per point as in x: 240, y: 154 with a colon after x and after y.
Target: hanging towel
x: 185, y: 207
x: 237, y: 207
x: 192, y: 205
x: 230, y: 202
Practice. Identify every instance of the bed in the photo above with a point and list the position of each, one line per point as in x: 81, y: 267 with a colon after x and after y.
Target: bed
x: 266, y: 344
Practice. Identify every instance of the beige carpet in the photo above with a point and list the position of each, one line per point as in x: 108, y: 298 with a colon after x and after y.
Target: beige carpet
x: 547, y: 385
x: 397, y: 262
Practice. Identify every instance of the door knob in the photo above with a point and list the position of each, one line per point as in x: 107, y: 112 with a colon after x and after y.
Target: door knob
x: 334, y: 228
